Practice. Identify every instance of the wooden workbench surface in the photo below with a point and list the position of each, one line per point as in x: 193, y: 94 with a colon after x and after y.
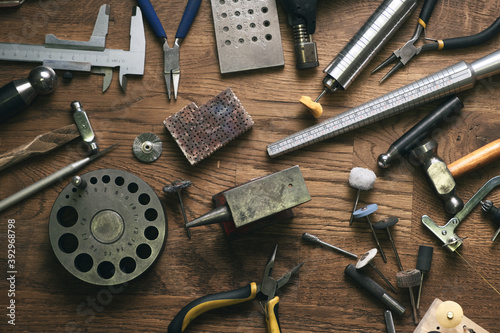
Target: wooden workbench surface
x: 320, y: 298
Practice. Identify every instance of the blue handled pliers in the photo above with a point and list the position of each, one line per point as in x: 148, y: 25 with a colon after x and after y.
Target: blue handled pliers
x: 171, y: 68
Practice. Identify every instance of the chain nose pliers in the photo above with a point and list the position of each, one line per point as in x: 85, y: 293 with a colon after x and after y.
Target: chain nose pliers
x: 171, y: 67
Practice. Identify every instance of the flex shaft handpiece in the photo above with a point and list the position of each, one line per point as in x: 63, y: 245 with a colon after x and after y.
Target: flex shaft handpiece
x: 451, y: 80
x: 361, y: 49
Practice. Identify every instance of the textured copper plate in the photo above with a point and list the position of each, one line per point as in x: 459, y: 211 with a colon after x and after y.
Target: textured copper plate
x: 201, y: 130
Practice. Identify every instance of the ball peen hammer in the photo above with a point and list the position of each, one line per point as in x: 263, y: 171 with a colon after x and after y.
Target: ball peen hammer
x: 443, y: 176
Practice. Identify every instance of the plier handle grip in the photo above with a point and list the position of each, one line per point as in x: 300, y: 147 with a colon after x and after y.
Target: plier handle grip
x: 404, y: 54
x: 267, y: 288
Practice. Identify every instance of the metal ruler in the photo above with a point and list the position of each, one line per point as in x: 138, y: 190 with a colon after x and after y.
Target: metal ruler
x: 87, y: 56
x: 456, y: 78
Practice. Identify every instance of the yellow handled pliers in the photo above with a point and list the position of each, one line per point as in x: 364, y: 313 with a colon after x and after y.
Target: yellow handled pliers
x: 266, y: 289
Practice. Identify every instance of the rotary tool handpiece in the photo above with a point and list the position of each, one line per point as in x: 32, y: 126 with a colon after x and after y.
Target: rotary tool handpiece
x: 373, y: 35
x: 17, y: 95
x: 456, y: 78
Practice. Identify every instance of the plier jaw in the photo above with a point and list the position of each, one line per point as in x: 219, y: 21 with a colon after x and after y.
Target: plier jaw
x: 171, y: 67
x: 402, y: 55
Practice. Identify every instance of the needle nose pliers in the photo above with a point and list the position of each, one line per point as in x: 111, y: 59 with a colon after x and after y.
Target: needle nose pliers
x: 404, y: 54
x: 266, y: 290
x: 171, y: 68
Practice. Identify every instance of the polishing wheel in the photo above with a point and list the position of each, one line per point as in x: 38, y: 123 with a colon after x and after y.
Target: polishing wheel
x: 147, y: 147
x: 110, y: 231
x: 449, y: 314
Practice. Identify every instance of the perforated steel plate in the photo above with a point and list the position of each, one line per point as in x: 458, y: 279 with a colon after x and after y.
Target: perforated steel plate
x: 248, y: 34
x: 200, y: 131
x: 111, y: 231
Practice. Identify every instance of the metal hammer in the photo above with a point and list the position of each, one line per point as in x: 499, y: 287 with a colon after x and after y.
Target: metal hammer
x: 49, y: 141
x: 443, y: 176
x: 439, y: 175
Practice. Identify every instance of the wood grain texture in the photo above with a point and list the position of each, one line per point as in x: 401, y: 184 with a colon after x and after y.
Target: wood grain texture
x: 320, y: 298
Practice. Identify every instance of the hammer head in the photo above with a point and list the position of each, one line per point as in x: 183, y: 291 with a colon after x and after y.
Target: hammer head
x: 439, y: 175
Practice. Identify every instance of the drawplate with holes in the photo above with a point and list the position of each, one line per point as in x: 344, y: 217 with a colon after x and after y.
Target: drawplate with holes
x: 109, y: 231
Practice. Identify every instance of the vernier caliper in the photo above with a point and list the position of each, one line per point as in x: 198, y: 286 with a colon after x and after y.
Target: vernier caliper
x: 87, y: 56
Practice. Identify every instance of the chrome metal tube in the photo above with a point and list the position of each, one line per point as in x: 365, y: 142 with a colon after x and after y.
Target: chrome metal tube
x: 367, y: 42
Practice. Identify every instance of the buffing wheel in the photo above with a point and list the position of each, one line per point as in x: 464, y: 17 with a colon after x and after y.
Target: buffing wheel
x: 449, y: 314
x: 109, y: 232
x: 408, y: 278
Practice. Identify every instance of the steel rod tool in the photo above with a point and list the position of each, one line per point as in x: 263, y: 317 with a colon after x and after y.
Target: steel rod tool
x: 314, y: 239
x: 171, y: 69
x: 453, y: 79
x: 87, y: 56
x: 373, y: 35
x: 49, y: 180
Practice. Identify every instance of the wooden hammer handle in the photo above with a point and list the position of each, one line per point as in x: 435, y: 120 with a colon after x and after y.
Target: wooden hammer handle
x: 42, y: 144
x: 476, y: 159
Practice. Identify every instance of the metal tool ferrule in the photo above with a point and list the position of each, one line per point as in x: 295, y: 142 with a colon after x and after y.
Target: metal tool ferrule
x: 306, y: 53
x: 374, y: 34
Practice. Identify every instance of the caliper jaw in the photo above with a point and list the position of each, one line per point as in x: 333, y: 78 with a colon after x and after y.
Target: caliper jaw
x: 447, y: 233
x: 97, y: 41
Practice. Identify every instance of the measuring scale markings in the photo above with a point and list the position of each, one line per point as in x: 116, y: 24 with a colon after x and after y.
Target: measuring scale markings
x: 453, y: 79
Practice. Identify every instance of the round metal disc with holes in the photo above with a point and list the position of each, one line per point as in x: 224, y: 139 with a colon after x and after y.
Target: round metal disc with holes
x: 147, y: 147
x: 110, y: 231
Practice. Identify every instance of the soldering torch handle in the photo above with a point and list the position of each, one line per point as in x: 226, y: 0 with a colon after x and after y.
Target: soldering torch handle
x: 210, y: 302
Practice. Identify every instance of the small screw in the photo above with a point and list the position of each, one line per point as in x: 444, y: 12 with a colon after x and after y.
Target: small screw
x: 176, y: 187
x: 78, y: 182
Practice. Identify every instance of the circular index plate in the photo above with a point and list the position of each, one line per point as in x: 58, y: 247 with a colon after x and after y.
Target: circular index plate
x: 109, y: 232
